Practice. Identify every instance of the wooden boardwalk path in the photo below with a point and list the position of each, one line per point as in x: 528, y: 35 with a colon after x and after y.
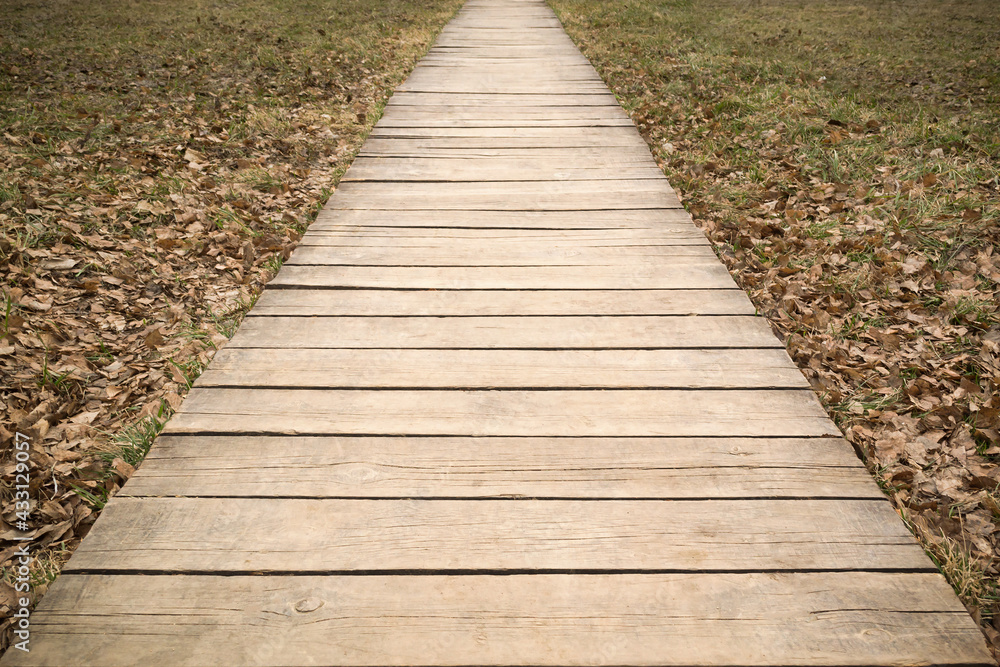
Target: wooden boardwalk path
x: 503, y: 406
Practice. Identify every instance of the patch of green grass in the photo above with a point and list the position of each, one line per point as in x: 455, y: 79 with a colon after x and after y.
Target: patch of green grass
x: 59, y: 383
x: 228, y: 321
x: 190, y: 370
x: 969, y: 576
x: 9, y: 309
x: 975, y: 311
x: 9, y: 192
x: 103, y: 356
x: 274, y: 264
x: 132, y: 443
x: 97, y: 499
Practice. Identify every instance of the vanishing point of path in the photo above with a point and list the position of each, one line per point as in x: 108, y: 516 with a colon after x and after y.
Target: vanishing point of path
x: 503, y: 406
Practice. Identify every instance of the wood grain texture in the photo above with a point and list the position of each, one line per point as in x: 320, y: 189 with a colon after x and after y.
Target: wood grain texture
x: 305, y: 535
x: 432, y: 151
x: 482, y: 169
x: 402, y: 98
x: 502, y: 241
x: 569, y: 332
x: 481, y: 302
x: 459, y: 254
x: 472, y: 369
x: 491, y: 139
x: 826, y: 618
x: 606, y: 136
x: 545, y: 226
x: 378, y: 467
x: 429, y: 200
x: 638, y: 413
x: 517, y: 191
x: 646, y: 275
x: 462, y: 114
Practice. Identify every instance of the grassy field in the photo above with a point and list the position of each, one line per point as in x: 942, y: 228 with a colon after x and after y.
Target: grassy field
x: 158, y: 161
x: 844, y: 158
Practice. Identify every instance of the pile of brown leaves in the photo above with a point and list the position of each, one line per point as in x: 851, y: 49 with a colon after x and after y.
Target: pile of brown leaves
x: 851, y: 186
x: 148, y: 193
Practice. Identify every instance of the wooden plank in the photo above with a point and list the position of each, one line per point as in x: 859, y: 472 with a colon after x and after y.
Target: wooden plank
x: 526, y: 190
x: 433, y: 150
x: 402, y: 98
x: 568, y: 135
x: 570, y: 332
x: 487, y: 138
x: 334, y: 535
x: 332, y: 229
x: 430, y: 201
x: 571, y: 226
x: 759, y: 620
x: 502, y: 302
x: 407, y: 243
x: 529, y: 189
x: 479, y: 169
x: 626, y: 412
x: 502, y: 121
x: 504, y: 84
x: 505, y: 196
x: 497, y: 57
x: 466, y: 72
x: 447, y: 253
x: 515, y: 240
x: 483, y: 369
x: 652, y: 275
x: 370, y: 467
x: 466, y: 112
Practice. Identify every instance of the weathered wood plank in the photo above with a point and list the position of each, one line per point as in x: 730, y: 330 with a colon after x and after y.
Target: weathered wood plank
x: 483, y: 369
x: 498, y: 84
x: 293, y: 535
x: 402, y: 98
x: 525, y: 190
x: 570, y: 332
x: 493, y: 170
x: 650, y: 275
x: 433, y: 150
x: 569, y: 226
x: 489, y: 138
x: 431, y: 201
x: 627, y: 412
x: 445, y: 253
x: 565, y: 135
x: 372, y: 467
x: 503, y: 121
x: 507, y: 195
x: 760, y: 620
x: 513, y: 240
x: 466, y: 112
x: 472, y: 302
